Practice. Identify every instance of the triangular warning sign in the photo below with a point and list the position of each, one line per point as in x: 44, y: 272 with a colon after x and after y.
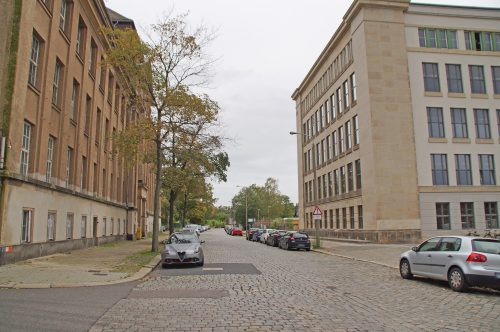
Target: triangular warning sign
x: 317, y: 211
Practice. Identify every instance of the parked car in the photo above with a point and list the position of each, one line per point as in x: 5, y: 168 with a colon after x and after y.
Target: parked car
x: 256, y: 235
x: 463, y: 261
x: 249, y: 233
x: 274, y: 238
x: 265, y: 234
x: 182, y: 248
x: 236, y: 231
x: 295, y: 240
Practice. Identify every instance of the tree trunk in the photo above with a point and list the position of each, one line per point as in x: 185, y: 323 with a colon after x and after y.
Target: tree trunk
x: 171, y: 201
x: 184, y: 208
x: 154, y: 242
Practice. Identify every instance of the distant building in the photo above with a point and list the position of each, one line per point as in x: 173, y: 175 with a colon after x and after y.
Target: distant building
x: 399, y: 122
x: 62, y: 187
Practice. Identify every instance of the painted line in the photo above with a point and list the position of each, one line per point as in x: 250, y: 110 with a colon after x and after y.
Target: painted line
x: 213, y: 269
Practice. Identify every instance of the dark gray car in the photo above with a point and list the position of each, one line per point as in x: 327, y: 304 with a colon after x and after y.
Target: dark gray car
x: 182, y: 248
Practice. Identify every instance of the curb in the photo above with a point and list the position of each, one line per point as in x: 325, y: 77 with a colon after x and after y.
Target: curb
x: 143, y: 272
x: 353, y: 258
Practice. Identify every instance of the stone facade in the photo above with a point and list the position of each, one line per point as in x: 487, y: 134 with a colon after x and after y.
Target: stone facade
x: 366, y: 162
x: 62, y: 184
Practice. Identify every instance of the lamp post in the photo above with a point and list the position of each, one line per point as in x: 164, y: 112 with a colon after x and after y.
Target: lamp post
x: 316, y: 222
x: 246, y: 208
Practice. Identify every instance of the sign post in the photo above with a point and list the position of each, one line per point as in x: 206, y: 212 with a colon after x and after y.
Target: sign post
x: 317, y: 214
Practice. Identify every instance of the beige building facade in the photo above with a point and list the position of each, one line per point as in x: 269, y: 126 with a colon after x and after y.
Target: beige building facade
x: 62, y: 185
x: 399, y: 124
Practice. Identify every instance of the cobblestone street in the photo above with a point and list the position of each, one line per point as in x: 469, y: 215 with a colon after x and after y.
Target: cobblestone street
x: 295, y: 291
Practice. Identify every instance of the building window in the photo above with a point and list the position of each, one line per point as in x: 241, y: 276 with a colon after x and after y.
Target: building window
x: 102, y: 78
x: 435, y: 122
x: 463, y: 167
x: 443, y: 215
x: 319, y: 186
x: 327, y: 112
x: 93, y: 57
x: 69, y: 225
x: 331, y: 218
x: 339, y: 101
x: 104, y: 183
x: 482, y: 119
x: 111, y: 86
x: 459, y: 123
x: 354, y: 94
x: 350, y: 177
x: 50, y: 158
x: 83, y: 227
x: 83, y: 174
x: 80, y: 38
x: 345, y: 90
x: 336, y: 181
x: 335, y: 144
x: 328, y: 147
x: 495, y: 74
x: 318, y: 155
x: 357, y: 166
x: 477, y: 83
x: 330, y: 185
x: 431, y: 77
x: 63, y: 15
x: 341, y: 139
x: 104, y: 226
x: 51, y: 226
x: 351, y: 216
x: 332, y: 103
x: 348, y: 141
x: 310, y: 191
x: 337, y: 218
x: 360, y: 216
x: 454, y: 78
x: 487, y: 169
x: 491, y: 214
x: 324, y: 186
x: 57, y: 83
x: 98, y: 127
x: 498, y: 121
x: 73, y: 114
x: 355, y: 125
x: 342, y: 180
x: 34, y: 60
x: 344, y: 218
x: 25, y: 149
x: 437, y: 38
x: 467, y: 215
x: 26, y: 225
x: 323, y: 151
x: 482, y: 41
x: 322, y: 116
x: 439, y: 169
x: 69, y: 163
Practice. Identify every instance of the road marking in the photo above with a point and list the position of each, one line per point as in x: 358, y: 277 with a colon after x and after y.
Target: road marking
x: 213, y: 269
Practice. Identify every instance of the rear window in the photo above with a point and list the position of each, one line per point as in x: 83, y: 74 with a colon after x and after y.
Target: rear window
x: 486, y: 246
x: 300, y: 236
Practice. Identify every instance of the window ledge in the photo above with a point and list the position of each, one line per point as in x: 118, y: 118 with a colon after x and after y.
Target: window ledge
x: 33, y: 88
x: 79, y: 57
x: 456, y: 95
x: 355, y: 147
x: 484, y: 141
x: 437, y: 140
x: 65, y: 36
x: 56, y: 108
x: 479, y: 95
x: 91, y: 75
x: 433, y: 94
x: 73, y: 122
x: 461, y: 140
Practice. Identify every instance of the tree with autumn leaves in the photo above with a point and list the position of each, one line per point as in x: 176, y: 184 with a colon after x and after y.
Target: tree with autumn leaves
x: 180, y: 134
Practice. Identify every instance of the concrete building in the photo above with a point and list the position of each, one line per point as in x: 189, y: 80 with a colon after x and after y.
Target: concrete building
x: 62, y: 187
x: 398, y: 124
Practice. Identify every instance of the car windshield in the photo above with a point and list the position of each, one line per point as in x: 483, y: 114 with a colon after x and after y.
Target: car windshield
x: 183, y: 238
x: 486, y: 246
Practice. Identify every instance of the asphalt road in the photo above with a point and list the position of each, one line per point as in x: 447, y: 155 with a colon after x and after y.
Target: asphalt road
x: 57, y: 309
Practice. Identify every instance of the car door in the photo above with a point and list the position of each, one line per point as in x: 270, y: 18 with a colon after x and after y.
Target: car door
x: 421, y: 259
x: 442, y: 259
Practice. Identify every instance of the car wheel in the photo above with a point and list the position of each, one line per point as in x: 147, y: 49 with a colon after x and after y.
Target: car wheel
x: 164, y: 266
x: 405, y: 269
x: 456, y: 280
x: 287, y: 246
x: 201, y: 263
x: 308, y: 249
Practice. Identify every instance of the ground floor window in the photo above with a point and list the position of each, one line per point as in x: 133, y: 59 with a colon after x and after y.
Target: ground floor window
x: 51, y: 226
x: 467, y: 215
x: 69, y: 225
x: 26, y: 225
x: 104, y: 226
x: 360, y: 216
x: 337, y: 218
x: 491, y: 214
x: 331, y: 218
x: 351, y: 216
x: 344, y: 218
x: 443, y: 215
x: 83, y: 227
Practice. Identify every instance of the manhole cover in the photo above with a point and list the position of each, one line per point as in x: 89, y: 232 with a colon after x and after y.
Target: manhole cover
x: 179, y: 293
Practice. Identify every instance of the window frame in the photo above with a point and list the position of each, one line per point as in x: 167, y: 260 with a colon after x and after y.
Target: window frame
x: 467, y: 215
x: 439, y: 167
x: 443, y: 218
x: 487, y: 170
x: 459, y: 122
x: 477, y: 79
x: 482, y: 123
x: 435, y: 122
x: 454, y: 78
x: 25, y: 149
x: 431, y: 77
x: 463, y: 175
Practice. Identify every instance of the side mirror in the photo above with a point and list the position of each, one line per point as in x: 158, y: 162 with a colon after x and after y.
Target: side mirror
x: 202, y: 241
x: 415, y: 249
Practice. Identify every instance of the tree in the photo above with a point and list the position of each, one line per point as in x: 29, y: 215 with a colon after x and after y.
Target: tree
x: 158, y: 71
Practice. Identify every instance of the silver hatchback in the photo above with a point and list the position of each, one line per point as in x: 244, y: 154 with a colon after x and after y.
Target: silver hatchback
x: 461, y: 260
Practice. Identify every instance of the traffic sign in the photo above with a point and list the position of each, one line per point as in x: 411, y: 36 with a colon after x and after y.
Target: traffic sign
x: 317, y: 213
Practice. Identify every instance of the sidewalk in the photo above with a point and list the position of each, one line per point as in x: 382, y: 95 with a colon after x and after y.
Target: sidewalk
x: 107, y: 264
x: 382, y: 254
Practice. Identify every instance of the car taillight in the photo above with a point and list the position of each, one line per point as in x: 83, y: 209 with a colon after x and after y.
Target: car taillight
x: 476, y: 258
x: 292, y: 239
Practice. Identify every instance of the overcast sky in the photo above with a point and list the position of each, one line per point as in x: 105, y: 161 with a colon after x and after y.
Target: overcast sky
x: 265, y: 48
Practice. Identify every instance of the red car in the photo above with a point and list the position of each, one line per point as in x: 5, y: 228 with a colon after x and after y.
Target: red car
x: 236, y: 231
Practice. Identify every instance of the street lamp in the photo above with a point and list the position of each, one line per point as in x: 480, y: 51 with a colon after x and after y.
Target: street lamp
x: 246, y: 208
x: 316, y: 222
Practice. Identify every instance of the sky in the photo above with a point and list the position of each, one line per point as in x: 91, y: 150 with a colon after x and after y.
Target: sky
x: 263, y: 50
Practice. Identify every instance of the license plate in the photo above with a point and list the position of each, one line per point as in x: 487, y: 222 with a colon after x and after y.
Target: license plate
x: 300, y: 245
x: 497, y: 275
